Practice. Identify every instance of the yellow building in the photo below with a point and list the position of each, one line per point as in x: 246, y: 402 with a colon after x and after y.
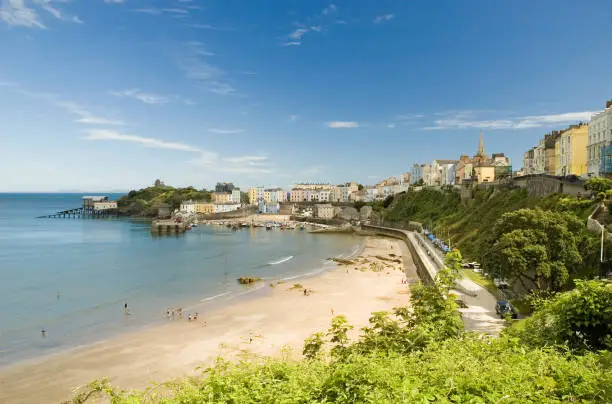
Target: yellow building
x: 253, y: 193
x: 221, y: 197
x: 571, y: 151
x: 484, y: 173
x: 204, y: 208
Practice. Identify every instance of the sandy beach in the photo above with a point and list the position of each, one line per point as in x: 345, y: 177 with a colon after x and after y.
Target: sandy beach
x: 281, y: 317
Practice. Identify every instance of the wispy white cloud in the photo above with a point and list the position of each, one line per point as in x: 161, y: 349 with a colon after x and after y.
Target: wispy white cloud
x: 465, y: 120
x: 293, y: 117
x: 25, y: 14
x: 246, y: 159
x: 329, y: 9
x: 147, y: 98
x: 315, y: 24
x: 161, y: 11
x: 250, y: 165
x: 84, y: 116
x: 103, y: 134
x: 383, y: 18
x: 409, y: 117
x: 342, y: 124
x: 194, y: 63
x: 226, y: 131
x: 298, y: 33
x: 221, y: 88
x: 209, y: 27
x: 114, y: 1
x: 391, y: 125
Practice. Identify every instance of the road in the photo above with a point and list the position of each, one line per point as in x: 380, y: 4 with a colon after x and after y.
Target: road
x: 480, y: 315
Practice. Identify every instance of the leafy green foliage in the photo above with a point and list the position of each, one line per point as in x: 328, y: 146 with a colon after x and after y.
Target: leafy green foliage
x: 466, y: 370
x: 471, y: 222
x: 144, y: 202
x: 580, y: 318
x: 598, y: 184
x: 540, y: 249
x: 313, y: 345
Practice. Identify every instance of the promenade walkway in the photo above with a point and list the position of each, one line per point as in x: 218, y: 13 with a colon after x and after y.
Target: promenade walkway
x: 480, y: 315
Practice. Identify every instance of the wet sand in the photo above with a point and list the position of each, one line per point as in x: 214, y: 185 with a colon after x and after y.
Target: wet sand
x: 283, y: 317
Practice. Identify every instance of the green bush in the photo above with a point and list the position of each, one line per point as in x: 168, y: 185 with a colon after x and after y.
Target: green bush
x: 580, y: 319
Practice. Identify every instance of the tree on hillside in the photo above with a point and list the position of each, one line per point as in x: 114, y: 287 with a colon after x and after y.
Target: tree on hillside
x: 360, y: 187
x: 598, y: 185
x: 540, y: 249
x: 582, y: 318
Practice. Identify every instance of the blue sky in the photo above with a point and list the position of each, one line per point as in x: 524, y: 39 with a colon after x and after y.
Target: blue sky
x: 109, y: 95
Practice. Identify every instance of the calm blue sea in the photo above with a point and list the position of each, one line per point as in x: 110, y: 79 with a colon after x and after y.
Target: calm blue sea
x: 73, y: 276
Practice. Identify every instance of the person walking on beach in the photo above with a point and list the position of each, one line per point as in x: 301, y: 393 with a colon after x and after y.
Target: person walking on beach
x: 43, y: 332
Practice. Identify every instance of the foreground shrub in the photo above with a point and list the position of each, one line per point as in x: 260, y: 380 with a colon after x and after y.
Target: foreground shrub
x: 580, y: 318
x: 458, y: 370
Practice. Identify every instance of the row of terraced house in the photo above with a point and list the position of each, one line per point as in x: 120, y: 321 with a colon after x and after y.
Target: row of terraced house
x: 583, y: 149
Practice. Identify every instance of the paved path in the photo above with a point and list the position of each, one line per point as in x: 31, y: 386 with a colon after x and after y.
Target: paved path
x: 480, y: 315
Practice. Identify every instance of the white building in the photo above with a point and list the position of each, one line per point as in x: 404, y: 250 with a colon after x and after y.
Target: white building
x: 226, y: 207
x: 426, y: 172
x: 104, y: 205
x: 448, y: 174
x: 188, y: 207
x: 324, y: 211
x: 539, y: 158
x: 600, y: 135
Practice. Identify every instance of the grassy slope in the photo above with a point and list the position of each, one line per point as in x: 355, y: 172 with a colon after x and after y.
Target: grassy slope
x: 468, y: 222
x: 144, y: 202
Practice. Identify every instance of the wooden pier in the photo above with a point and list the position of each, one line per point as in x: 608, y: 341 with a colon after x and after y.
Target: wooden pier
x: 81, y: 213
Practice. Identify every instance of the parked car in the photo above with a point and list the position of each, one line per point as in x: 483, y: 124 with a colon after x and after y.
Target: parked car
x: 461, y: 303
x: 501, y: 283
x: 503, y: 307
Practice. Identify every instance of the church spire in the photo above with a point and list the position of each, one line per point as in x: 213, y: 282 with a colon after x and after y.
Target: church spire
x: 481, y: 151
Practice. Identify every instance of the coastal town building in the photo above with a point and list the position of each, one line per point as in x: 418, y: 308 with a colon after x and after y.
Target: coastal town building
x: 269, y: 208
x: 188, y: 207
x: 571, y: 151
x: 600, y: 138
x: 312, y: 185
x: 415, y: 173
x: 529, y: 162
x: 255, y: 195
x: 197, y: 207
x: 104, y: 205
x: 406, y: 178
x: 224, y: 187
x: 426, y: 174
x: 225, y: 207
x: 544, y: 154
x: 225, y: 196
x: 204, y: 208
x: 98, y: 203
x: 484, y: 173
x: 88, y: 201
x: 324, y: 211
